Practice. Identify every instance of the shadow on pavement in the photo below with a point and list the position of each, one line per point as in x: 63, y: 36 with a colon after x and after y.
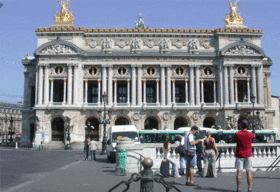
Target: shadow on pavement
x: 213, y: 189
x: 266, y: 178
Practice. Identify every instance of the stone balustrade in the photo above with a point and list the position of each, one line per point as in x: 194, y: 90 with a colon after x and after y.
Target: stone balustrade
x: 263, y: 155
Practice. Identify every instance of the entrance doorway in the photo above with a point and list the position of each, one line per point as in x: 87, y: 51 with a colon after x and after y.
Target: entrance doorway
x: 58, y: 129
x: 93, y: 131
x: 208, y: 122
x: 180, y: 122
x: 121, y: 121
x: 151, y: 123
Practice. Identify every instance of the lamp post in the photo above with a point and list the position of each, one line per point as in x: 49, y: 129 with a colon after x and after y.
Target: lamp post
x: 88, y: 126
x: 104, y: 122
x: 253, y: 99
x: 68, y: 138
x: 11, y: 132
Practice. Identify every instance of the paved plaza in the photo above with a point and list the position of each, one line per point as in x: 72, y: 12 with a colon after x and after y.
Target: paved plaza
x: 59, y: 170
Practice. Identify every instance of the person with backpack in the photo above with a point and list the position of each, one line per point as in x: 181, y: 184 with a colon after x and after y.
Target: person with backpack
x: 166, y: 150
x: 243, y: 154
x: 190, y: 156
x: 181, y: 151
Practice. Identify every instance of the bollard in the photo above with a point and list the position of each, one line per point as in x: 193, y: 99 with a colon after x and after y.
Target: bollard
x: 147, y: 179
x: 16, y: 145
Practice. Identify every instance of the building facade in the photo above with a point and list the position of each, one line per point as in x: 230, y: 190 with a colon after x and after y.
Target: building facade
x: 10, y: 110
x: 153, y: 78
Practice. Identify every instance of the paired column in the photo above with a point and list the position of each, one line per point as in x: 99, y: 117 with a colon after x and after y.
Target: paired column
x: 168, y: 85
x: 157, y: 91
x: 104, y: 77
x: 220, y: 85
x: 186, y: 91
x: 197, y: 74
x: 110, y: 85
x: 202, y: 91
x: 37, y: 84
x: 40, y: 85
x: 162, y: 85
x: 236, y: 91
x: 226, y: 85
x: 76, y: 83
x: 99, y: 89
x: 86, y: 91
x: 46, y: 86
x: 139, y: 86
x: 69, y: 91
x: 173, y: 91
x: 128, y: 91
x: 144, y: 91
x: 64, y: 91
x: 133, y: 85
x: 215, y: 94
x: 253, y: 68
x: 231, y: 84
x: 192, y: 85
x: 248, y: 91
x: 115, y: 92
x: 260, y: 85
x: 51, y: 90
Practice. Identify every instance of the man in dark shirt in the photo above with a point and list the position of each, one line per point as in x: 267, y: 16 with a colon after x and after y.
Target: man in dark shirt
x: 199, y: 151
x: 243, y: 154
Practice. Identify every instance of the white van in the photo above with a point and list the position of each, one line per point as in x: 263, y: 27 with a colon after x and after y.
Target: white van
x: 117, y: 132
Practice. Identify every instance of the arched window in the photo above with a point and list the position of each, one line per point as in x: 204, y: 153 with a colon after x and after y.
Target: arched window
x: 208, y: 122
x: 151, y: 123
x: 180, y: 122
x: 121, y: 121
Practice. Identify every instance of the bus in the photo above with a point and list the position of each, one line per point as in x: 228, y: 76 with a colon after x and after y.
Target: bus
x: 159, y: 136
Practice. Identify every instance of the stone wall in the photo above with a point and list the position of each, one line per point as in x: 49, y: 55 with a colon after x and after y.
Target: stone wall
x: 276, y: 119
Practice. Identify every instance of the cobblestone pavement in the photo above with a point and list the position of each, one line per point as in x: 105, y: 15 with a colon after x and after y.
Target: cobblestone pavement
x: 58, y: 170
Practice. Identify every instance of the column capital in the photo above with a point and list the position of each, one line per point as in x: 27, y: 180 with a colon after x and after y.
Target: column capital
x: 214, y: 81
x: 115, y: 80
x: 86, y: 80
x: 162, y: 65
x: 194, y: 65
x: 99, y: 80
x: 168, y: 66
x: 76, y: 64
x: 248, y: 80
x: 51, y: 80
x: 128, y: 80
x: 104, y: 65
x: 256, y: 65
x: 110, y: 65
x: 235, y: 80
x: 64, y: 80
x: 157, y: 80
x: 173, y: 80
x: 139, y: 65
x: 228, y: 65
x: 41, y: 64
x: 202, y: 80
x: 144, y: 80
x: 133, y: 65
x: 186, y: 80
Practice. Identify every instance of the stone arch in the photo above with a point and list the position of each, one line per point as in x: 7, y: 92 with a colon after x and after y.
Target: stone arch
x: 93, y: 130
x: 232, y: 45
x: 151, y: 123
x: 209, y: 121
x: 121, y: 121
x: 180, y: 122
x: 57, y: 127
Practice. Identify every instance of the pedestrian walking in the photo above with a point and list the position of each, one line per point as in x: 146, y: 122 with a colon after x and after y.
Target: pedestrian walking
x: 210, y: 154
x: 190, y: 156
x: 199, y: 152
x: 181, y: 151
x: 93, y: 147
x: 86, y: 148
x: 243, y: 154
x: 166, y: 150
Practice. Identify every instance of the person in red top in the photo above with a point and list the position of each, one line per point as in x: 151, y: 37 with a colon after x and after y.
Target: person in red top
x: 243, y: 154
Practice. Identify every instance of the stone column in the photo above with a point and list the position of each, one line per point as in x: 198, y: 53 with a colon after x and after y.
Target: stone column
x: 197, y: 91
x: 173, y: 91
x: 64, y: 91
x: 133, y: 85
x: 168, y: 84
x: 202, y: 91
x: 86, y: 92
x: 191, y: 86
x: 157, y: 91
x: 36, y: 88
x: 128, y: 91
x: 69, y: 91
x: 144, y: 91
x: 104, y: 77
x: 236, y: 91
x: 186, y: 91
x: 139, y: 86
x: 254, y: 81
x: 115, y: 92
x: 226, y: 85
x: 162, y: 85
x: 51, y: 90
x: 260, y: 84
x: 248, y: 91
x: 220, y: 85
x: 76, y: 83
x: 46, y: 86
x: 231, y: 84
x: 215, y: 91
x: 26, y: 91
x: 40, y: 84
x: 99, y: 90
x: 268, y: 80
x: 110, y: 85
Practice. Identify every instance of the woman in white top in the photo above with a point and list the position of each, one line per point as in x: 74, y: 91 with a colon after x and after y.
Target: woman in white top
x: 166, y: 150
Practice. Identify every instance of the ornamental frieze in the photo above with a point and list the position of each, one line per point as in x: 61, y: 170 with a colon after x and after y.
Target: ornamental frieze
x: 93, y: 43
x: 241, y: 50
x: 136, y: 45
x: 122, y: 43
x: 179, y: 44
x: 151, y: 43
x: 58, y: 49
x: 206, y: 44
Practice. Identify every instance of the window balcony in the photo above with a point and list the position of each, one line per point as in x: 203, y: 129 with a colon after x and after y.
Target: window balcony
x: 210, y: 106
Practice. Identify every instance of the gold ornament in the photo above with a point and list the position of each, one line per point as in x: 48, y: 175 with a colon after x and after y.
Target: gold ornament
x: 64, y: 17
x: 233, y: 18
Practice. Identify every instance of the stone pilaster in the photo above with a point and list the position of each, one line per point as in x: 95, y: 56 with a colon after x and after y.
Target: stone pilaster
x: 69, y: 90
x: 133, y: 85
x: 192, y: 85
x: 110, y: 85
x: 162, y: 85
x: 40, y: 85
x: 46, y: 84
x: 197, y: 90
x: 168, y: 84
x: 139, y: 86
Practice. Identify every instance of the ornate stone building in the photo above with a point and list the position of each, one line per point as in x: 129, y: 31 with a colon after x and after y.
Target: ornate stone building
x: 153, y: 78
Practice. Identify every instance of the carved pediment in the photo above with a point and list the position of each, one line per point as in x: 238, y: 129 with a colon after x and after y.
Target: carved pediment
x: 58, y: 49
x: 241, y: 50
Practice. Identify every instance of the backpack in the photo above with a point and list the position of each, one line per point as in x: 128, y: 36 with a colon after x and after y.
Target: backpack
x: 181, y: 150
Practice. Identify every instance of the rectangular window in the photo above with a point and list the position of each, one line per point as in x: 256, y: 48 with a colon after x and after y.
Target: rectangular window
x: 92, y: 92
x: 208, y: 92
x: 242, y: 91
x: 180, y: 92
x: 58, y: 91
x: 122, y: 92
x: 151, y: 92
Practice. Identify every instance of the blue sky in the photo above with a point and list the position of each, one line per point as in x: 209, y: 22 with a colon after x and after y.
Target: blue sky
x: 20, y: 18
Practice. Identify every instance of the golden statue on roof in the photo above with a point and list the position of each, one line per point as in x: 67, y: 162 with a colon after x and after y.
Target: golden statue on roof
x: 233, y: 18
x: 64, y: 17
